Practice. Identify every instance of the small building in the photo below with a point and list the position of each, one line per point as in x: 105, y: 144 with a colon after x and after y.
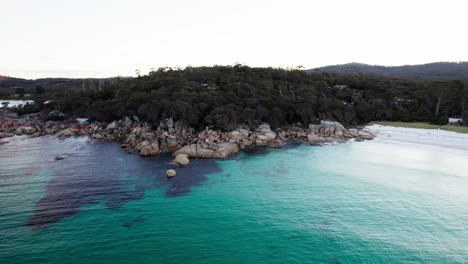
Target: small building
x: 15, y: 103
x: 399, y: 100
x: 456, y: 120
x: 340, y: 86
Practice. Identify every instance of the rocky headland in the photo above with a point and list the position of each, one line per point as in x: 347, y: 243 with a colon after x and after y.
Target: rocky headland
x: 148, y: 140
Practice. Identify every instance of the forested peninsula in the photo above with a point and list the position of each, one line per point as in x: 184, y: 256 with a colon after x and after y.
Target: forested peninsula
x: 224, y: 97
x: 214, y: 111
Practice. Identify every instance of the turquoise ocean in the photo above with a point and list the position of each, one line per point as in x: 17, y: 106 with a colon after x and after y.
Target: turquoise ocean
x: 358, y: 202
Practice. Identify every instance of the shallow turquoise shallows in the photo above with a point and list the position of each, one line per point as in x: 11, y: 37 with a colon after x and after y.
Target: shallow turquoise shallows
x: 360, y: 202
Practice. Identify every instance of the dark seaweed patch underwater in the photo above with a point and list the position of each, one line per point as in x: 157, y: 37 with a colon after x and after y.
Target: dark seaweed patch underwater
x: 101, y: 171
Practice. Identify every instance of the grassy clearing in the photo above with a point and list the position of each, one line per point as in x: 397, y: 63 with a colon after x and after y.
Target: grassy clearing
x: 458, y: 129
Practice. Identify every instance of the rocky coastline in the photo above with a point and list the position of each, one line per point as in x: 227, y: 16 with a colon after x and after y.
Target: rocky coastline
x: 147, y: 140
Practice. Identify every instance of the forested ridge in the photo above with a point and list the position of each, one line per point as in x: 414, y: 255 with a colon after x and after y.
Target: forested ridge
x: 429, y: 71
x: 225, y: 97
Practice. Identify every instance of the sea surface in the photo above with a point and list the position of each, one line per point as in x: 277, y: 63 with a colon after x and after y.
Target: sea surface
x: 358, y: 202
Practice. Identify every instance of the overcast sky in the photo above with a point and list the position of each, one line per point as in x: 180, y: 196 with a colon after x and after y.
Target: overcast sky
x: 98, y: 38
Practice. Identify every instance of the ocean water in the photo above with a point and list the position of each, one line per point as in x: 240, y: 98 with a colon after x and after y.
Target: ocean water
x: 359, y: 202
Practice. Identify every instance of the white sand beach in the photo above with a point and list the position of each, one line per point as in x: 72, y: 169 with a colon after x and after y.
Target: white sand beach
x: 431, y: 137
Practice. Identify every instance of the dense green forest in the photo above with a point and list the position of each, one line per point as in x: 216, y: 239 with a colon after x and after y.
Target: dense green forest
x: 225, y: 97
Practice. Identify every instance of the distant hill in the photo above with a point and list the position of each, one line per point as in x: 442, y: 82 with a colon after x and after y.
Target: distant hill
x: 51, y: 83
x: 431, y: 71
x: 11, y: 82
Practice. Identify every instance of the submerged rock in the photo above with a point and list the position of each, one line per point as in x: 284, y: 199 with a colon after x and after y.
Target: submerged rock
x: 170, y: 173
x: 60, y: 157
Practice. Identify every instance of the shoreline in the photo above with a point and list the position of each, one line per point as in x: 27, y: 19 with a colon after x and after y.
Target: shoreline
x: 422, y: 125
x: 141, y: 137
x: 420, y: 136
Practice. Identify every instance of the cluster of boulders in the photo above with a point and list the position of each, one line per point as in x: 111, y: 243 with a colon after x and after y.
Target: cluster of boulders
x: 137, y: 136
x: 10, y: 128
x: 169, y: 136
x: 264, y: 136
x: 183, y: 141
x: 327, y: 132
x: 208, y: 151
x: 217, y: 144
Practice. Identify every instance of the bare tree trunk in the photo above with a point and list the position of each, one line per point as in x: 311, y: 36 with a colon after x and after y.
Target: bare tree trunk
x: 439, y: 99
x: 462, y: 113
x: 322, y: 91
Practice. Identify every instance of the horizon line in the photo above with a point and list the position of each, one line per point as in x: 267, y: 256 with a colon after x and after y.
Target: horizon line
x: 214, y: 65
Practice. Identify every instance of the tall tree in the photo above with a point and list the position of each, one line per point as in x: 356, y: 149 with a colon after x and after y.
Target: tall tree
x: 464, y: 111
x: 442, y: 91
